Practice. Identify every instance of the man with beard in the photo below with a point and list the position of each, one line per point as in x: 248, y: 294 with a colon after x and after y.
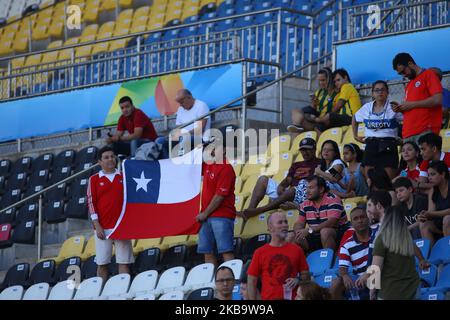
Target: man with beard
x: 277, y: 263
x: 422, y: 108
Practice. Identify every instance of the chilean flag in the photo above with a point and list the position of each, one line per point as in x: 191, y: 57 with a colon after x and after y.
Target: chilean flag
x: 161, y: 198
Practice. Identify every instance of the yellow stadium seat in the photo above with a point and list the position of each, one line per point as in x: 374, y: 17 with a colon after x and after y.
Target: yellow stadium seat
x: 17, y: 63
x: 140, y: 18
x: 90, y: 12
x: 6, y: 47
x: 279, y: 144
x: 238, y: 225
x: 292, y: 217
x: 237, y: 168
x: 349, y: 206
x: 193, y: 238
x: 105, y: 31
x: 89, y: 249
x: 22, y: 41
x: 252, y: 167
x: 238, y: 185
x: 71, y: 247
x: 445, y: 134
x: 124, y: 19
x: 56, y: 28
x: 174, y: 240
x: 249, y: 184
x: 300, y: 137
x: 279, y: 163
x: 255, y: 225
x: 52, y: 56
x: 280, y: 175
x: 33, y: 60
x: 334, y: 134
x: 88, y: 35
x: 189, y: 11
x: 239, y: 201
x: 118, y: 44
x: 143, y: 244
x: 263, y: 202
x: 348, y: 136
x: 66, y: 55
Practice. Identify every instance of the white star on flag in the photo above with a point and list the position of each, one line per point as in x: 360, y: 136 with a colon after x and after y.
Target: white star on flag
x: 142, y: 182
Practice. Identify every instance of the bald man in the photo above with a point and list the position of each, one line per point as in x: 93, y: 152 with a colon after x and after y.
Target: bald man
x: 279, y: 264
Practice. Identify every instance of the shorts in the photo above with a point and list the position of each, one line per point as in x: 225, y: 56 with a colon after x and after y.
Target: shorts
x: 339, y: 120
x: 374, y: 158
x: 216, y: 232
x: 315, y: 243
x: 103, y: 251
x: 272, y: 189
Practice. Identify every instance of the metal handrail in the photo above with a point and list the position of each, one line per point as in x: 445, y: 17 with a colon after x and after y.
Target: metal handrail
x: 395, y: 7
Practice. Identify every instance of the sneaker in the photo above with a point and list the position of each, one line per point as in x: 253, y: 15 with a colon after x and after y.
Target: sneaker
x: 295, y: 129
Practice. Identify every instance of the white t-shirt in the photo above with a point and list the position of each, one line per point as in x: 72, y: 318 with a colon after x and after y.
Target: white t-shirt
x: 335, y: 163
x: 379, y: 125
x: 198, y: 109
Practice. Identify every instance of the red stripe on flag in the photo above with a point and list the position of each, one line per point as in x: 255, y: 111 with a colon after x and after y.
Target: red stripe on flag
x: 144, y: 221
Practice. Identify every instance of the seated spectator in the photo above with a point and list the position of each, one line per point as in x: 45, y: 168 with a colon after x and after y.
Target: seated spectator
x: 445, y: 98
x: 410, y: 162
x: 377, y: 179
x: 377, y: 203
x: 355, y: 253
x: 309, y: 290
x: 325, y: 215
x: 348, y: 102
x: 279, y: 264
x: 381, y: 130
x: 436, y: 220
x: 225, y: 282
x: 393, y: 256
x: 430, y: 149
x: 139, y: 127
x: 331, y: 166
x: 297, y: 172
x: 303, y: 119
x: 354, y: 181
x: 412, y: 203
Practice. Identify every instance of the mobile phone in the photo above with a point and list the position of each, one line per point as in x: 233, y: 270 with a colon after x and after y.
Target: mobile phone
x: 333, y: 172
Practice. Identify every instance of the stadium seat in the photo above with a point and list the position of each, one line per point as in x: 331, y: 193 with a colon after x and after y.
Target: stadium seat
x: 17, y: 275
x: 279, y: 163
x: 89, y: 249
x: 348, y: 136
x: 58, y: 193
x: 24, y: 232
x: 89, y: 289
x: 237, y: 244
x: 10, y: 197
x: 174, y: 256
x: 89, y: 268
x: 201, y: 294
x: 63, y: 290
x: 320, y: 261
x: 53, y: 212
x: 173, y: 295
x: 60, y: 174
x: 147, y: 259
x: 116, y: 286
x: 432, y: 295
x: 44, y: 271
x: 9, y: 216
x: 148, y: 296
x: 279, y: 144
x: 64, y: 159
x: 440, y: 253
x: 443, y: 282
x: 43, y: 162
x: 5, y: 167
x: 77, y: 208
x: 238, y: 225
x: 142, y: 284
x: 72, y: 247
x: 38, y: 178
x: 235, y: 265
x: 142, y: 244
x: 334, y: 134
x: 200, y: 276
x: 22, y: 165
x: 424, y: 246
x: 194, y: 258
x: 170, y: 279
x: 292, y: 217
x: 67, y: 268
x: 255, y: 225
x: 428, y: 275
x: 87, y: 155
x: 38, y: 291
x: 254, y: 243
x: 18, y: 181
x: 174, y: 240
x: 12, y: 293
x: 5, y: 236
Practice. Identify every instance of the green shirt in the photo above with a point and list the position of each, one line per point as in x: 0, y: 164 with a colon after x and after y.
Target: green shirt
x: 399, y: 278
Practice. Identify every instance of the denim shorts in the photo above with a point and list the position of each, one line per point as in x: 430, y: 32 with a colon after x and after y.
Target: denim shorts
x: 219, y: 231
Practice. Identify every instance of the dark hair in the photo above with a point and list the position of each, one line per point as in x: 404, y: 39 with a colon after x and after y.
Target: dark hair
x: 403, y: 164
x: 186, y: 92
x: 432, y: 140
x: 402, y: 182
x: 402, y: 59
x: 382, y: 82
x: 312, y: 291
x: 321, y: 183
x: 223, y: 268
x: 440, y: 167
x: 343, y: 73
x: 379, y: 179
x: 354, y: 148
x: 337, y: 154
x: 381, y: 197
x: 329, y: 74
x: 125, y: 99
x: 102, y: 151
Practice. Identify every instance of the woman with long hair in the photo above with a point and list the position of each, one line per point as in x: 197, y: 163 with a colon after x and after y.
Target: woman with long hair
x: 331, y: 166
x: 378, y: 179
x: 393, y: 264
x: 309, y: 290
x: 436, y: 220
x: 410, y: 161
x: 353, y: 181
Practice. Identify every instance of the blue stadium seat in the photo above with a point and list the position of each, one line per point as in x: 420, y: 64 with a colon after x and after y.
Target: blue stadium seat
x: 282, y: 3
x: 440, y: 253
x: 226, y: 8
x: 5, y: 167
x: 428, y: 275
x: 208, y: 16
x: 236, y: 294
x: 324, y: 280
x: 320, y: 261
x: 432, y: 295
x: 443, y: 282
x: 335, y: 267
x: 424, y: 246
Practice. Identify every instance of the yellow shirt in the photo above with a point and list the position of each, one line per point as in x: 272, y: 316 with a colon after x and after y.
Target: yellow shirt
x: 352, y: 100
x: 326, y: 101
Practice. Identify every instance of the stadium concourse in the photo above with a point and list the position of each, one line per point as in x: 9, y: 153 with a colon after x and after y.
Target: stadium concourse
x: 169, y: 268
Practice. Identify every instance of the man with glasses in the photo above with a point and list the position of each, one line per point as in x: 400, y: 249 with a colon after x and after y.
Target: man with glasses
x: 422, y: 108
x: 225, y: 281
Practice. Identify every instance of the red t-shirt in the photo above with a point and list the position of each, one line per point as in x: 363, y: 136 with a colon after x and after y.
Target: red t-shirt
x: 411, y: 174
x: 418, y: 120
x: 276, y: 264
x: 219, y: 179
x: 445, y: 156
x: 105, y: 199
x: 137, y: 119
x: 302, y: 170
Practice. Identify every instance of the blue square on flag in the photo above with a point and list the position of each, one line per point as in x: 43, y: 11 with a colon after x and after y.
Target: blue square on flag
x: 142, y: 181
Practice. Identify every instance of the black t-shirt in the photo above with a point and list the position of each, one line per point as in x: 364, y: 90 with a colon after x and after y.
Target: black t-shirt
x: 420, y: 203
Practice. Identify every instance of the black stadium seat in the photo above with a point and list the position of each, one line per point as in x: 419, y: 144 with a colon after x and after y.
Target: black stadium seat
x: 64, y: 159
x: 83, y: 166
x: 78, y: 188
x: 194, y: 258
x: 237, y: 243
x: 24, y: 232
x: 254, y: 243
x: 147, y: 260
x: 9, y: 216
x: 44, y: 271
x: 113, y: 267
x: 174, y: 256
x: 53, y: 212
x: 63, y: 271
x: 201, y: 294
x: 5, y: 167
x: 87, y: 155
x: 17, y: 275
x: 10, y: 197
x: 28, y: 212
x: 39, y: 178
x: 77, y: 208
x: 89, y: 268
x: 22, y: 165
x: 60, y: 173
x: 43, y: 162
x: 18, y: 181
x: 2, y: 185
x: 57, y: 193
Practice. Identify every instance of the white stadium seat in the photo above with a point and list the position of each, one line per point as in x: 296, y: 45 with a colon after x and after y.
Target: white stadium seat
x: 89, y: 289
x: 38, y: 291
x: 170, y: 279
x: 235, y: 265
x: 12, y: 293
x: 147, y: 296
x: 199, y: 277
x: 64, y: 290
x: 142, y: 284
x: 174, y: 295
x: 116, y: 286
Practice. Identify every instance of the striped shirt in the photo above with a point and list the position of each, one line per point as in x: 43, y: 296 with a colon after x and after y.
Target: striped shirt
x: 357, y: 255
x: 330, y: 207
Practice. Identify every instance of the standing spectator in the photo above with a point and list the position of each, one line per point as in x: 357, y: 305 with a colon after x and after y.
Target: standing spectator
x: 278, y: 263
x: 355, y: 252
x: 139, y: 127
x: 225, y: 281
x: 422, y: 108
x: 297, y: 172
x: 378, y: 180
x: 331, y: 166
x: 218, y: 211
x: 412, y: 203
x: 377, y: 204
x: 325, y: 215
x: 436, y: 220
x: 393, y: 255
x: 323, y: 101
x: 430, y: 148
x: 381, y: 130
x: 445, y: 97
x: 309, y: 290
x: 105, y: 200
x: 354, y: 181
x: 348, y: 103
x: 410, y: 161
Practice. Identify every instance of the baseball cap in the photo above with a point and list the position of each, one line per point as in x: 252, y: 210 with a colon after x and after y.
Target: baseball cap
x: 307, y: 143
